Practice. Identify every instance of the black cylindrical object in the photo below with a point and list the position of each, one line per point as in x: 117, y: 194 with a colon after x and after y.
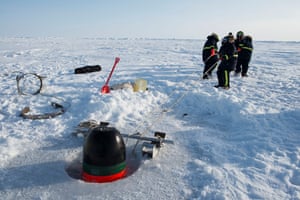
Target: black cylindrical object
x: 87, y: 69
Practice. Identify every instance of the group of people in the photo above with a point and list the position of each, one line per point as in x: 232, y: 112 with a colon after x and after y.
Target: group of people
x: 234, y: 55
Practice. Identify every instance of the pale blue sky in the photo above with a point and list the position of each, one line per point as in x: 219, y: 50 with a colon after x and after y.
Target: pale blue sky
x: 194, y: 19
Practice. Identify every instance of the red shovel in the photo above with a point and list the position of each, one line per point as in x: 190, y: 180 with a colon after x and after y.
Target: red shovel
x: 105, y: 88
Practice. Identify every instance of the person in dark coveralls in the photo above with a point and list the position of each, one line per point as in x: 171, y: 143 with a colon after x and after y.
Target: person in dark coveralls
x: 244, y: 47
x: 210, y: 55
x: 239, y: 38
x: 228, y: 57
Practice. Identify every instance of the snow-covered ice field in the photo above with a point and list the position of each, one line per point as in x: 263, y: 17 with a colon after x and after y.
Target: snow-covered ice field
x: 242, y: 143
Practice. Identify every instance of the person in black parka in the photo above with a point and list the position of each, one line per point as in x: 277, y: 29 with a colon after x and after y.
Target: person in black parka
x: 245, y: 47
x: 210, y: 55
x: 238, y: 40
x: 228, y: 57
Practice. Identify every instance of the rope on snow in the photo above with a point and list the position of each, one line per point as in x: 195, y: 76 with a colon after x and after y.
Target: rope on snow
x: 32, y: 84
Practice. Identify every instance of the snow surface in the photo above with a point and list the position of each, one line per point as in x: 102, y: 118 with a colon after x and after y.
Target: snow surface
x: 242, y: 143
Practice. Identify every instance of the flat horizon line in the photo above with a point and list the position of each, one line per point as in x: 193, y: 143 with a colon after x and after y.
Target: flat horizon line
x: 126, y: 38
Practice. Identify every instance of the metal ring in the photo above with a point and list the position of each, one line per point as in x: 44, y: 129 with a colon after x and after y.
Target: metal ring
x: 22, y: 76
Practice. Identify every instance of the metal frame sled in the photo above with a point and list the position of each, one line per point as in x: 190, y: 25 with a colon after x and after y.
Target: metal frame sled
x: 151, y: 145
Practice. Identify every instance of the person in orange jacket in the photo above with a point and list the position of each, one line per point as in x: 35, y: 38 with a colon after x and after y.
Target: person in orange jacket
x: 210, y: 55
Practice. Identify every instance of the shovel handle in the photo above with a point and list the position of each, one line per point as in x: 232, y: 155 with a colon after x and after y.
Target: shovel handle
x: 117, y: 59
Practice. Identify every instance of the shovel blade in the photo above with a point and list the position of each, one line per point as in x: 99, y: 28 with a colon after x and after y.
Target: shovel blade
x: 105, y: 89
